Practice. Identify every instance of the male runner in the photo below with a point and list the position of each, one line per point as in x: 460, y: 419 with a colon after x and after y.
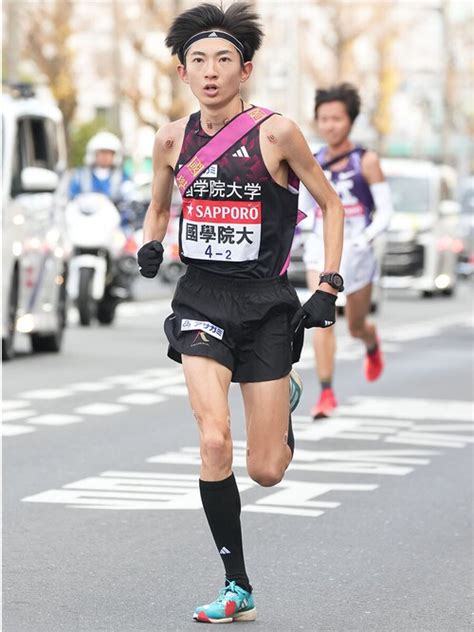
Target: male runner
x: 234, y: 312
x: 357, y: 177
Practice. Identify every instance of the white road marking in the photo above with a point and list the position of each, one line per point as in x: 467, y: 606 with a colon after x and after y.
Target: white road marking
x: 412, y: 438
x: 54, y: 420
x: 445, y: 428
x: 100, y: 409
x: 162, y: 372
x: 170, y: 379
x: 132, y: 378
x: 405, y: 428
x: 295, y: 497
x: 118, y: 490
x: 130, y: 490
x: 90, y: 387
x: 11, y: 430
x: 409, y: 408
x: 425, y: 329
x: 46, y: 393
x: 377, y: 462
x: 177, y: 391
x: 13, y: 404
x: 153, y: 491
x: 142, y: 399
x: 289, y: 511
x: 359, y: 437
x: 159, y: 383
x: 14, y: 415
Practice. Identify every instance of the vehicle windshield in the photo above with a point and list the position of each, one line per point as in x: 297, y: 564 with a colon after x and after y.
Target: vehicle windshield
x: 467, y: 201
x: 410, y: 194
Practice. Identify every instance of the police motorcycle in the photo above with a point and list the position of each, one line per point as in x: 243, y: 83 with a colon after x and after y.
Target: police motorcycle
x: 104, y: 264
x: 100, y: 268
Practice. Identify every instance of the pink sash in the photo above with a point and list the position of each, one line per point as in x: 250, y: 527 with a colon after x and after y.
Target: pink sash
x: 217, y: 146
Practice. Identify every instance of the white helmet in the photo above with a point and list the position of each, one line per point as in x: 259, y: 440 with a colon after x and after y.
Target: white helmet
x: 105, y: 141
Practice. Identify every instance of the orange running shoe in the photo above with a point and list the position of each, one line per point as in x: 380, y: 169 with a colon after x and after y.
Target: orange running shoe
x: 374, y: 364
x: 325, y: 405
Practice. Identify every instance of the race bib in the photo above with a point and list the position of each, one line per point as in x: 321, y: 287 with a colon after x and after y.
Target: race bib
x: 221, y: 230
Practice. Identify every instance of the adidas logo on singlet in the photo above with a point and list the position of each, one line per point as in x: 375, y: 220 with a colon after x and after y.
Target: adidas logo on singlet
x: 241, y: 152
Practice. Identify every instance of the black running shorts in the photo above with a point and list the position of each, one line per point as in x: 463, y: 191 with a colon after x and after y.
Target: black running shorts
x: 243, y: 324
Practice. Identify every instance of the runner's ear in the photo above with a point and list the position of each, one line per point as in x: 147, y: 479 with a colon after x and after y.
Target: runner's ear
x: 182, y: 72
x: 246, y: 71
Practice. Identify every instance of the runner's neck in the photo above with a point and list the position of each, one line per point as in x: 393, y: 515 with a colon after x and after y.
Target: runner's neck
x: 341, y: 148
x: 213, y: 120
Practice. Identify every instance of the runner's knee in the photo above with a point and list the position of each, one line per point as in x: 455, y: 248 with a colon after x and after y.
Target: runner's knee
x: 357, y: 329
x: 216, y: 444
x: 265, y: 475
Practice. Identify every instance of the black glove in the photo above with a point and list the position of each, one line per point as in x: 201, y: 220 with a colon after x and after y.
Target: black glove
x: 318, y: 311
x: 150, y: 257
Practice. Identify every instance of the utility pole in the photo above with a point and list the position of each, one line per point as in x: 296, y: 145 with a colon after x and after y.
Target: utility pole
x: 116, y: 69
x: 176, y: 85
x: 13, y: 41
x: 448, y: 82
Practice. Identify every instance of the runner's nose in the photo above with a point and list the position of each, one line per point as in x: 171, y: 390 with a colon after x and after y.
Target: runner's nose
x: 210, y: 70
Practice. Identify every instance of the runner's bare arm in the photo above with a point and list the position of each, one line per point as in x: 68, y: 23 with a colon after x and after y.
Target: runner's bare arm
x: 158, y: 212
x: 294, y: 149
x: 371, y: 169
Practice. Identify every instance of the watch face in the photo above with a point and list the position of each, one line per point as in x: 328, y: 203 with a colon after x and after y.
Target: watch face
x: 337, y: 280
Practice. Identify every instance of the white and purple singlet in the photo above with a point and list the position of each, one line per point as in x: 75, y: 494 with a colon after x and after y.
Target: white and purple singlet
x: 358, y: 264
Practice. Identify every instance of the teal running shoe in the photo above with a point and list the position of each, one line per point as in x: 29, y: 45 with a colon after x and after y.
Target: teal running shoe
x: 232, y: 604
x: 296, y: 390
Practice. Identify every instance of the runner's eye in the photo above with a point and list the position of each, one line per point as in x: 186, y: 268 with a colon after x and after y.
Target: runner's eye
x: 224, y: 59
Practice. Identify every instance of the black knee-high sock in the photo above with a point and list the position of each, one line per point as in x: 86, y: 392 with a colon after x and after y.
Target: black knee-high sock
x: 291, y: 438
x: 221, y: 502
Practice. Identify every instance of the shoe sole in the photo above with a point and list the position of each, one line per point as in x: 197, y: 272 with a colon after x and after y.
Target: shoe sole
x: 323, y: 415
x: 320, y: 416
x: 248, y: 615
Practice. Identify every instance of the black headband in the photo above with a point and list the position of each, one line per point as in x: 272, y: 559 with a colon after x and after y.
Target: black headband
x: 211, y: 35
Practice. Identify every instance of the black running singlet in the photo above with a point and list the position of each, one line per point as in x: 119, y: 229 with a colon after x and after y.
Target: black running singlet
x: 236, y: 220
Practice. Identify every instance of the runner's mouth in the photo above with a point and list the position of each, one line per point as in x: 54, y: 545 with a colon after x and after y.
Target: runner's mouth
x: 211, y: 89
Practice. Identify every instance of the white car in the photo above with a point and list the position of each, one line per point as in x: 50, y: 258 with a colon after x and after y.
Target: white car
x: 35, y: 253
x: 422, y: 242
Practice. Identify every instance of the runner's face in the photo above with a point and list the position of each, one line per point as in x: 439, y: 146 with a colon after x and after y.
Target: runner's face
x: 333, y: 122
x: 214, y: 71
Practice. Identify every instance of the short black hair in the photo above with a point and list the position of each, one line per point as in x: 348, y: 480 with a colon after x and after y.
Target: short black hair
x: 344, y: 92
x: 240, y: 20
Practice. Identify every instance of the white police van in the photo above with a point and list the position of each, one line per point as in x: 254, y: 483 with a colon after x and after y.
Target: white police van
x: 35, y: 251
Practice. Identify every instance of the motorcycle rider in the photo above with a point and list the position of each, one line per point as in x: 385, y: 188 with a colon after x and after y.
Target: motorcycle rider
x: 102, y: 171
x: 103, y: 174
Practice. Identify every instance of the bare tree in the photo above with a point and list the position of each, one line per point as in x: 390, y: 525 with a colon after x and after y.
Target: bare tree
x: 166, y: 100
x: 46, y: 42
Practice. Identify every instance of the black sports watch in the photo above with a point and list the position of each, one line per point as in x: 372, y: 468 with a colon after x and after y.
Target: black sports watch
x: 334, y: 279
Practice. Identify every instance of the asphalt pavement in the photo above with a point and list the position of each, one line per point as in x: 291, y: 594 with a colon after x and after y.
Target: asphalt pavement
x: 371, y: 529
